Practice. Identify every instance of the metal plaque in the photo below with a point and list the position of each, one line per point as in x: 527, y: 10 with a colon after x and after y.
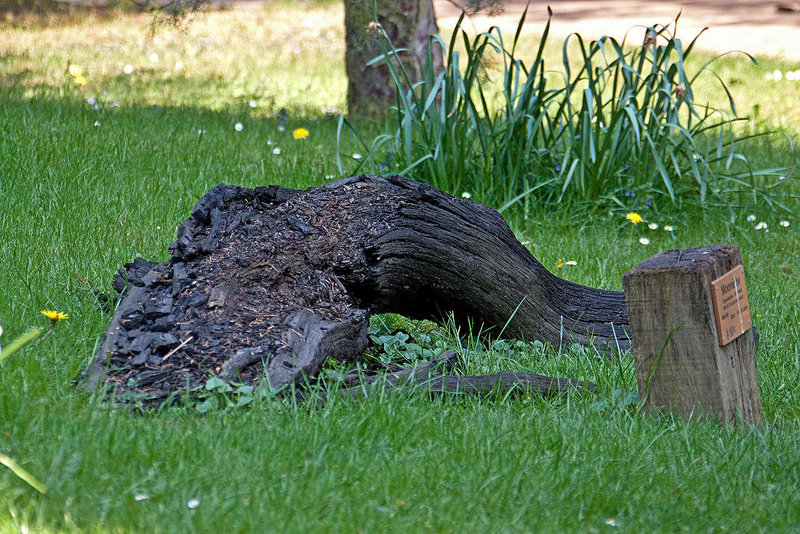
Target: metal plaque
x: 731, y: 307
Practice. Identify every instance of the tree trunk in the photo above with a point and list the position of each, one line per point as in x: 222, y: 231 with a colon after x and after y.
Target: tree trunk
x: 271, y: 282
x: 407, y: 24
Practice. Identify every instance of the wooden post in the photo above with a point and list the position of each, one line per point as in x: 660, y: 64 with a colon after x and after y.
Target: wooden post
x: 704, y: 368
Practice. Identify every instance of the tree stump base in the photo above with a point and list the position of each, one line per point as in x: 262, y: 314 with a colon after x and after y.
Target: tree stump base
x: 266, y: 284
x: 683, y: 360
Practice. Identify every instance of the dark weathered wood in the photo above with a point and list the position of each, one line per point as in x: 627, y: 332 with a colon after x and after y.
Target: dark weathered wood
x: 408, y: 377
x: 430, y: 378
x: 438, y: 254
x: 504, y: 382
x: 694, y: 374
x: 446, y: 362
x: 277, y: 280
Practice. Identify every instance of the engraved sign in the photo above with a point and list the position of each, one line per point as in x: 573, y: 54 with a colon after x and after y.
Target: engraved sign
x: 731, y: 307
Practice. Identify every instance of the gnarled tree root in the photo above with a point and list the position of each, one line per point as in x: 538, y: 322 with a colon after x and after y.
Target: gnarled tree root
x: 430, y: 377
x: 268, y: 283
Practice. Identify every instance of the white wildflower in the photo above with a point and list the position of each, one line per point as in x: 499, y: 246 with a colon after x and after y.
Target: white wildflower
x: 644, y: 241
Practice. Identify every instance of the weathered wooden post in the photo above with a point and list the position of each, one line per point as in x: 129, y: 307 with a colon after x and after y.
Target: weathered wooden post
x: 691, y: 333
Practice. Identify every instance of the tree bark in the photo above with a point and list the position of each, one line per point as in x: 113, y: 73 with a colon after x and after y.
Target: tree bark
x: 407, y: 24
x: 269, y: 283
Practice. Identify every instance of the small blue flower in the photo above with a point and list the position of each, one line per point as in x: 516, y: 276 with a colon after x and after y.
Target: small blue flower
x: 558, y: 168
x: 627, y: 193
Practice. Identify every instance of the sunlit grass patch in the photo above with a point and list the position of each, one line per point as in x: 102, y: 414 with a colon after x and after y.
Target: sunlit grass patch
x: 271, y: 55
x: 95, y: 174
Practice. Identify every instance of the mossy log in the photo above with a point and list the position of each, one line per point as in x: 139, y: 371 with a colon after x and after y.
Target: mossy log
x: 268, y: 283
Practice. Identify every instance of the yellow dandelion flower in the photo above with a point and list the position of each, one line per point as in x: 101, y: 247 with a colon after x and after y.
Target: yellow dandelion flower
x: 76, y: 70
x: 80, y: 80
x: 560, y: 264
x: 55, y: 316
x: 634, y: 217
x: 300, y: 133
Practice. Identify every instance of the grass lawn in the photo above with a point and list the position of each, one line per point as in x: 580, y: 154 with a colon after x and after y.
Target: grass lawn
x: 94, y: 174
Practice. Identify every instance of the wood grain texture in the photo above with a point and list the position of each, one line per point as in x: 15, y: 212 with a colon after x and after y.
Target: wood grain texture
x: 269, y: 283
x: 672, y: 292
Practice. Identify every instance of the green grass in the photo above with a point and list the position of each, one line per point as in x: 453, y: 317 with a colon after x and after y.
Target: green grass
x: 78, y: 200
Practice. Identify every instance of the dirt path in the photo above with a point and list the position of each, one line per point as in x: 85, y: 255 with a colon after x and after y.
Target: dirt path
x: 761, y: 28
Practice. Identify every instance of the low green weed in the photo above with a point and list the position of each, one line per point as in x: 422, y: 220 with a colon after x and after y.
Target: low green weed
x: 220, y: 393
x: 397, y: 340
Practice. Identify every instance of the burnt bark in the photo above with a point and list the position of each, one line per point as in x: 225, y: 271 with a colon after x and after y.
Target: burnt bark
x: 268, y: 283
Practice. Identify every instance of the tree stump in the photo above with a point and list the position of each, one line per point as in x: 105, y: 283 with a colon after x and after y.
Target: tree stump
x: 684, y: 361
x: 268, y: 283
